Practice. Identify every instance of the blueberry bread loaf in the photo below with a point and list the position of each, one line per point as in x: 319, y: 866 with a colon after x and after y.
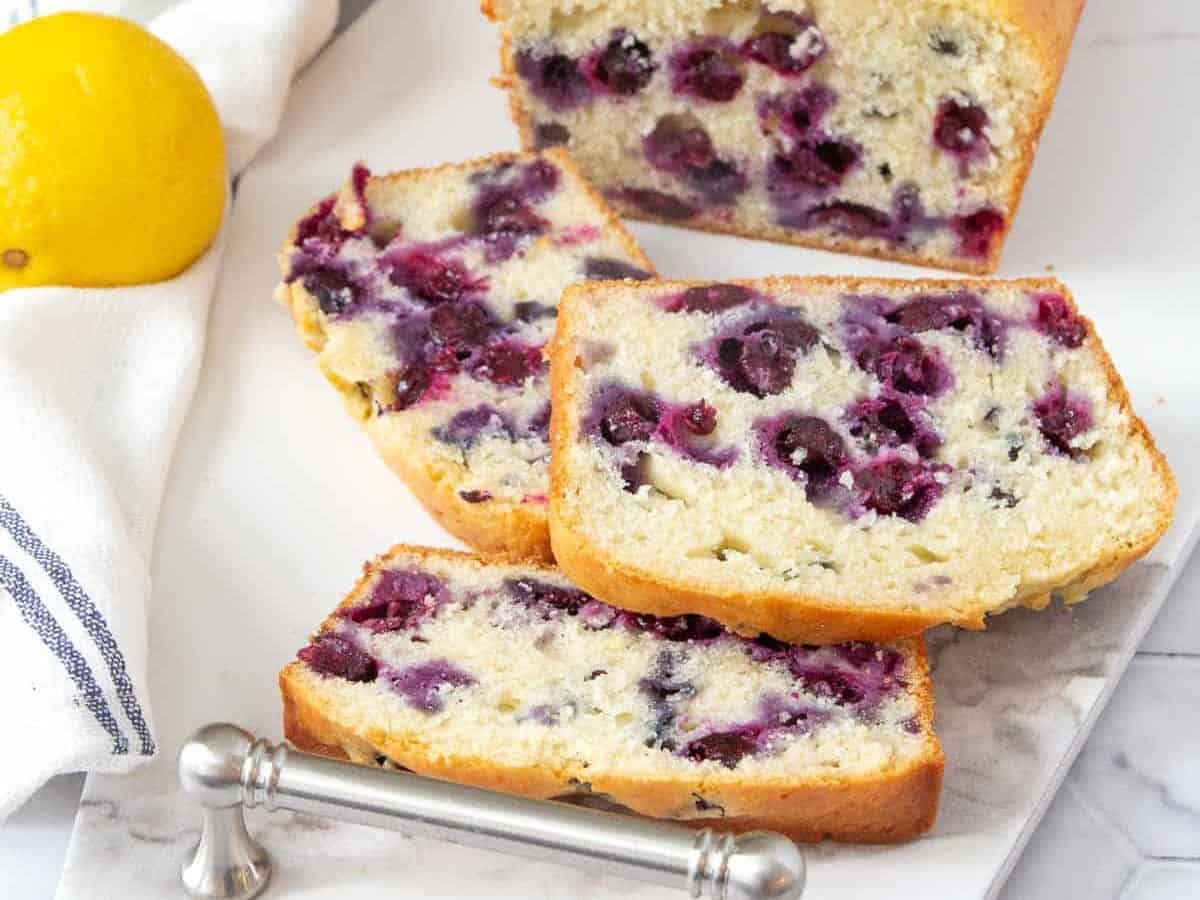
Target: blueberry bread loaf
x: 507, y: 677
x: 428, y: 296
x: 826, y: 459
x: 895, y: 128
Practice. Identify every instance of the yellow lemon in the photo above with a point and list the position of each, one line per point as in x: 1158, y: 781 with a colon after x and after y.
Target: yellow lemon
x: 112, y: 164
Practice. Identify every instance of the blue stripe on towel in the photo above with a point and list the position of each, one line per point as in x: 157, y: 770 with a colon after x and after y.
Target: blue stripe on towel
x: 87, y: 613
x: 37, y: 617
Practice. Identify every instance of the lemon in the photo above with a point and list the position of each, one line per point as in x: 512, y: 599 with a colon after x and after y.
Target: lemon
x: 112, y: 163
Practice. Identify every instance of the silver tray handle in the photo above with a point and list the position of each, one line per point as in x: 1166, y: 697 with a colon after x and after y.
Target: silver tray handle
x: 224, y: 768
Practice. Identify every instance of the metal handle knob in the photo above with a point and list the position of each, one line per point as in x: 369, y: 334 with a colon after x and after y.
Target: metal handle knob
x: 224, y: 768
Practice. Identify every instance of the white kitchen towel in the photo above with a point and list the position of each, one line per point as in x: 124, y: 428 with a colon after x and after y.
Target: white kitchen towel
x: 94, y: 386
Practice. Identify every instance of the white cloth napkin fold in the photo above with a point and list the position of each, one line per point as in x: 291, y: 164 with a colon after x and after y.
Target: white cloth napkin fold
x: 94, y: 386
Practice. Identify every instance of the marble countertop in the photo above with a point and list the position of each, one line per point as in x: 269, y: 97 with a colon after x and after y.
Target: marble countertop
x: 1126, y: 824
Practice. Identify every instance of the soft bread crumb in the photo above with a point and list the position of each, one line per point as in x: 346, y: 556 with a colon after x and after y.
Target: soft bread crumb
x: 590, y: 682
x: 1015, y: 523
x: 882, y: 62
x: 361, y: 356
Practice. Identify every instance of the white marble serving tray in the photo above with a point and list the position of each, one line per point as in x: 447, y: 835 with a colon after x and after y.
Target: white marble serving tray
x: 276, y: 498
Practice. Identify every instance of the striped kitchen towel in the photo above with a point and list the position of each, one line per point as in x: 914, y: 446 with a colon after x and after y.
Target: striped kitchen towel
x: 94, y: 387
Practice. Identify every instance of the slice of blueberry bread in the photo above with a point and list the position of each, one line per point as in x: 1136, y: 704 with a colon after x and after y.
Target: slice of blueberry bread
x: 429, y: 296
x: 508, y: 677
x: 831, y: 459
x: 895, y: 128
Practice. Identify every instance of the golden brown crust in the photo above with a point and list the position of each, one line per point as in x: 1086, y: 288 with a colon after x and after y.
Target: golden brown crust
x: 1048, y: 26
x: 788, y: 616
x: 891, y: 806
x: 510, y: 528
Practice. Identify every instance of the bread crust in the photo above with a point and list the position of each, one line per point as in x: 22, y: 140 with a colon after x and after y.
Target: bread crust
x: 1049, y: 27
x: 791, y: 617
x: 513, y: 529
x: 887, y: 807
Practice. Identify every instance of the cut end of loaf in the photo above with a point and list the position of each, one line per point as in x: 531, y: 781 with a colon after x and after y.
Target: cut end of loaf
x: 508, y: 677
x: 902, y: 130
x: 428, y: 296
x: 831, y: 458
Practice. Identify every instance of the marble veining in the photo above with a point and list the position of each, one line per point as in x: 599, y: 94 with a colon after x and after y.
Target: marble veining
x: 1126, y: 823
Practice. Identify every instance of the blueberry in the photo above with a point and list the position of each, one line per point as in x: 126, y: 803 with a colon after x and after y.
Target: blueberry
x: 681, y: 146
x: 433, y: 279
x: 601, y: 268
x: 896, y: 487
x: 504, y: 211
x: 797, y: 113
x: 855, y: 220
x: 333, y: 290
x: 809, y: 445
x: 458, y: 331
x: 720, y: 182
x: 509, y: 363
x: 710, y: 298
x: 764, y: 647
x: 546, y: 599
x: 678, y: 141
x: 727, y: 747
x: 663, y: 689
x: 1055, y: 318
x: 423, y: 685
x: 880, y: 662
x: 331, y: 654
x: 596, y: 615
x: 550, y: 134
x: 759, y: 358
x: 475, y: 496
x: 322, y: 225
x: 821, y: 163
x: 537, y: 180
x: 764, y: 360
x: 538, y: 425
x: 625, y: 65
x: 629, y: 416
x: 1061, y: 419
x: 708, y: 69
x: 839, y: 687
x: 932, y: 312
x: 908, y: 366
x: 958, y: 128
x: 554, y: 78
x: 1007, y: 498
x: 908, y: 212
x: 409, y: 383
x: 681, y: 424
x: 400, y: 599
x: 977, y: 232
x: 700, y: 418
x: 887, y: 421
x: 468, y: 427
x: 862, y: 674
x: 790, y: 53
x: 688, y: 627
x: 532, y: 311
x: 633, y: 473
x: 657, y: 204
x: 962, y: 311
